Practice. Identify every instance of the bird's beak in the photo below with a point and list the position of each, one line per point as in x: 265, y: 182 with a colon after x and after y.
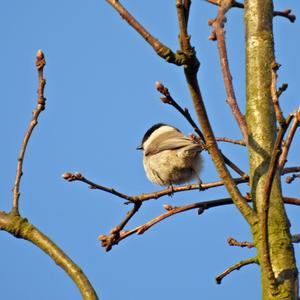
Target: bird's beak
x: 140, y: 147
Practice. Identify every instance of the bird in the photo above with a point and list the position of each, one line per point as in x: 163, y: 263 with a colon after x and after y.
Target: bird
x: 170, y: 157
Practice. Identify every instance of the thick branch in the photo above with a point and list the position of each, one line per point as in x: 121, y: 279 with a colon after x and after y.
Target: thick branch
x: 21, y: 228
x: 40, y: 63
x: 273, y: 167
x: 162, y: 50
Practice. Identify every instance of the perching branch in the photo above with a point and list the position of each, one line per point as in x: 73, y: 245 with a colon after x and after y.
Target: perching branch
x: 219, y: 35
x: 237, y: 266
x: 40, y: 63
x: 144, y: 197
x: 155, y: 195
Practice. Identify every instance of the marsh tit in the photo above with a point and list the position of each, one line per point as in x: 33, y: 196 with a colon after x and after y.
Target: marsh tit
x: 169, y: 156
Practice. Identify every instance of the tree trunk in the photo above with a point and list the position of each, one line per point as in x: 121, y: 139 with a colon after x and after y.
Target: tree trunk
x: 261, y: 122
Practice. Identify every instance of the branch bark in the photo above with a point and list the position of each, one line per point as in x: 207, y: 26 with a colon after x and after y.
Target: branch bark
x: 21, y: 228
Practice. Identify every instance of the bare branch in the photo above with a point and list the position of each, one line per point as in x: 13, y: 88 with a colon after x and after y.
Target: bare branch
x: 78, y: 177
x: 144, y: 197
x: 219, y: 35
x: 162, y: 50
x: 286, y: 14
x: 182, y: 12
x: 281, y: 89
x: 171, y: 210
x: 263, y: 216
x: 40, y: 63
x: 296, y: 238
x: 113, y: 239
x: 233, y: 242
x: 278, y: 112
x: 290, y: 179
x: 237, y: 266
x: 229, y: 140
x: 289, y: 139
x: 158, y: 194
x: 168, y: 99
x: 290, y: 170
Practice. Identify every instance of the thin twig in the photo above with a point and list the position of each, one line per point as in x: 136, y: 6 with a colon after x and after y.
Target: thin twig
x: 219, y: 35
x: 290, y: 179
x: 229, y: 140
x: 289, y: 139
x: 281, y: 89
x: 233, y: 242
x: 285, y: 13
x: 296, y: 238
x: 237, y: 266
x: 41, y: 101
x: 263, y: 216
x: 278, y: 112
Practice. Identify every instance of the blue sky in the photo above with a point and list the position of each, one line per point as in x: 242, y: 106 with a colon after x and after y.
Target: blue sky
x: 100, y: 101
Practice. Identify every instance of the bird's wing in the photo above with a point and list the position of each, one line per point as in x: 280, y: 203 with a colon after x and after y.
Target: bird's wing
x: 172, y: 141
